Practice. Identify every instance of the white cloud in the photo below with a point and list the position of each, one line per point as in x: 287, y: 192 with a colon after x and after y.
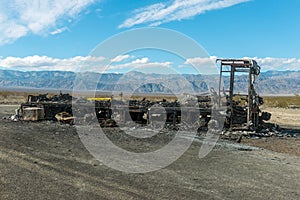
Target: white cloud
x: 88, y: 63
x: 98, y: 64
x: 38, y: 63
x: 201, y: 61
x: 58, y: 31
x: 266, y: 63
x: 120, y: 58
x: 142, y: 63
x: 19, y: 18
x: 278, y: 63
x: 78, y: 63
x: 203, y: 65
x: 175, y: 10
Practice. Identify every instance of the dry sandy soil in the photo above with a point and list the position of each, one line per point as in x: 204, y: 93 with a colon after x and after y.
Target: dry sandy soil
x: 48, y: 161
x: 285, y: 117
x: 289, y: 121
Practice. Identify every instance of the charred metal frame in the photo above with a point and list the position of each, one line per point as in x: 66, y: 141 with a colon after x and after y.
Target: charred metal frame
x: 251, y: 68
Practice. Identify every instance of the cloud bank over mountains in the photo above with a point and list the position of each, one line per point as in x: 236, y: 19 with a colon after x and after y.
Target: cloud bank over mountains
x: 98, y: 64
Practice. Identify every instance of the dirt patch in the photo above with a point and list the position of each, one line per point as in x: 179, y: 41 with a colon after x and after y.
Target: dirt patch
x: 285, y: 117
x: 281, y: 145
x: 289, y: 121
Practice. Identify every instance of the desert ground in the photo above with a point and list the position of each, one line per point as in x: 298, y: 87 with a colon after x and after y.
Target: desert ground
x: 289, y: 121
x: 46, y: 160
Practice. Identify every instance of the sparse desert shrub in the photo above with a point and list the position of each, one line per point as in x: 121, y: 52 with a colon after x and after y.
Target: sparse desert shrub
x: 5, y: 94
x: 282, y: 102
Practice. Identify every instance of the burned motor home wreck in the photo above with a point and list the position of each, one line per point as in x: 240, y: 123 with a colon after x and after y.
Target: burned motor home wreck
x: 241, y: 111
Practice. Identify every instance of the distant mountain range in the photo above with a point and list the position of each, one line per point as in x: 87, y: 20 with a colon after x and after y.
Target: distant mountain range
x: 271, y: 82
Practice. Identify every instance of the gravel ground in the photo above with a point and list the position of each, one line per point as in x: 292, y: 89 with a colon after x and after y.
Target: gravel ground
x: 48, y: 161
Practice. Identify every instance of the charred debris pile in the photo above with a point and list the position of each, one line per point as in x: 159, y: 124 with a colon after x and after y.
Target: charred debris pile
x: 109, y: 112
x: 240, y: 114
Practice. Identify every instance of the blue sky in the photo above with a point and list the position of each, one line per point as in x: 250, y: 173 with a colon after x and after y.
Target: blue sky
x: 56, y: 34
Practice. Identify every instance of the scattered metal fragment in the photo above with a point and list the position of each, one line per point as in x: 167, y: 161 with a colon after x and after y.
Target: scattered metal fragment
x: 64, y: 117
x: 33, y: 113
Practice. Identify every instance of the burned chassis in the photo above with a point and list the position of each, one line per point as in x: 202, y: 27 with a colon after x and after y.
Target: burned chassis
x: 145, y: 112
x: 247, y: 116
